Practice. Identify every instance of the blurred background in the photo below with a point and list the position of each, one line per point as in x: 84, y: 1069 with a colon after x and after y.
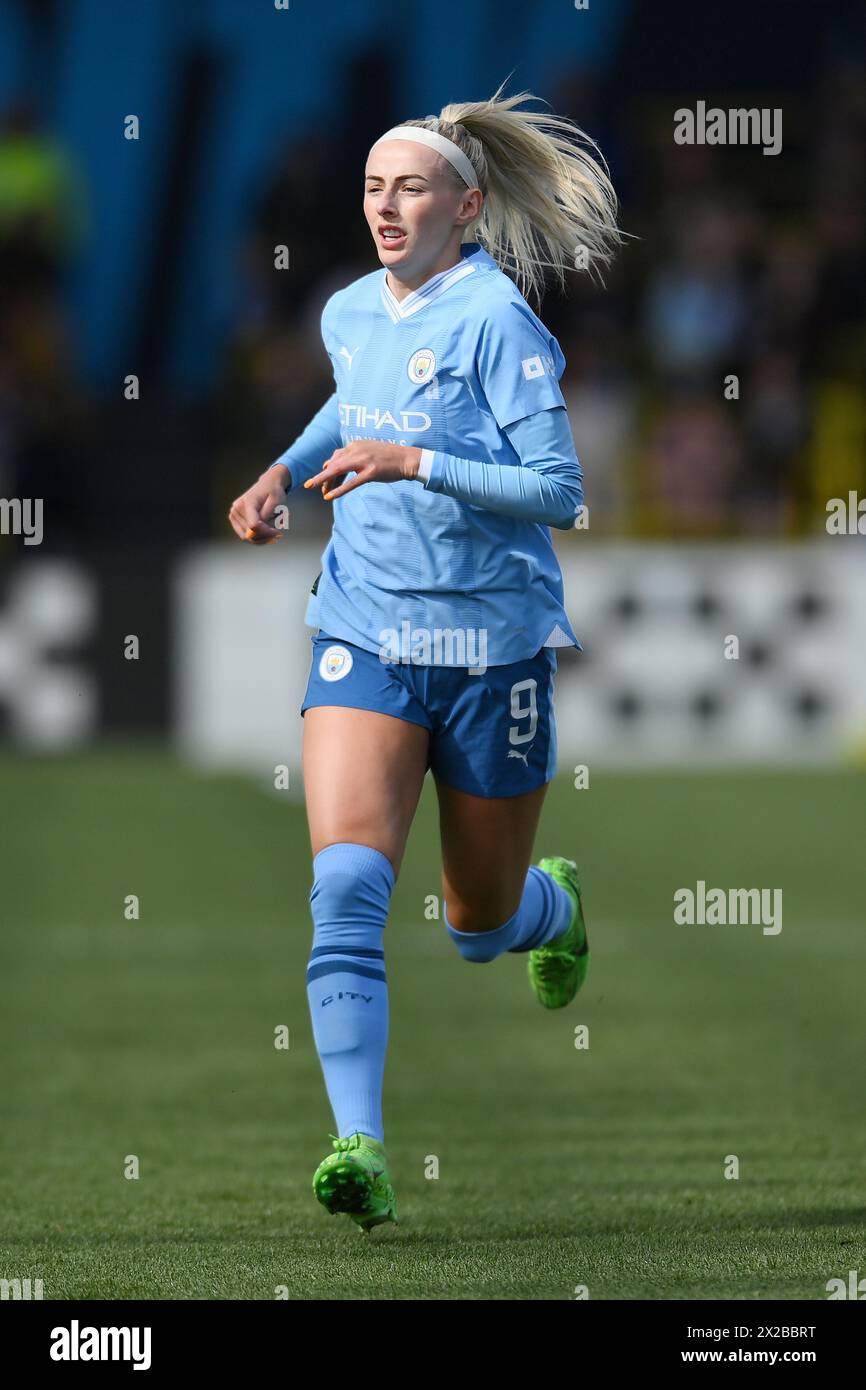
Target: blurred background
x: 154, y: 257
x: 151, y: 666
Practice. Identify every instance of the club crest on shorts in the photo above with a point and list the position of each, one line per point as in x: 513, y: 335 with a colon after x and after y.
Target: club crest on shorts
x: 335, y: 663
x: 422, y: 365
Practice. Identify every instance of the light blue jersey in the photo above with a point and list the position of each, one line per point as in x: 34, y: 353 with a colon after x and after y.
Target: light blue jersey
x: 447, y: 369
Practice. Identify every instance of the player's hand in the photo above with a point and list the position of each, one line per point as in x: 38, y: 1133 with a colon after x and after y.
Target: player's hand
x: 371, y: 461
x: 250, y: 513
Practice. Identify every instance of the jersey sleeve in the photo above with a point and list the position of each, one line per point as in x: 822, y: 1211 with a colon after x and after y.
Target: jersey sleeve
x: 518, y: 364
x: 546, y: 486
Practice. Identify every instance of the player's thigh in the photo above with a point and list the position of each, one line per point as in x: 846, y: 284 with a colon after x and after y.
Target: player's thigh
x: 363, y: 773
x: 486, y: 850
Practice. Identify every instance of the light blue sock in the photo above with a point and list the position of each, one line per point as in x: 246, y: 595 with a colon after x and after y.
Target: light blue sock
x: 544, y: 912
x: 346, y: 985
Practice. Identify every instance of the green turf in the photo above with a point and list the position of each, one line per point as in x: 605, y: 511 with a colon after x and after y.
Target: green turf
x: 557, y: 1167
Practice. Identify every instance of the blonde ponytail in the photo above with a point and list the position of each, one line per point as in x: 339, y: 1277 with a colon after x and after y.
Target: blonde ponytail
x: 545, y: 196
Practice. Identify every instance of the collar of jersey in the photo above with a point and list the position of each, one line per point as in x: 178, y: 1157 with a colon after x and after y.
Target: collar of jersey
x: 431, y: 289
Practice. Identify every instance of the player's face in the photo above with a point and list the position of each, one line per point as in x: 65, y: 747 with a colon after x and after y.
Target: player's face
x: 406, y: 192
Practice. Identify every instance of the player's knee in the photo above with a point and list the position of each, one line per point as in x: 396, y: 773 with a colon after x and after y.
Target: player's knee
x: 352, y: 886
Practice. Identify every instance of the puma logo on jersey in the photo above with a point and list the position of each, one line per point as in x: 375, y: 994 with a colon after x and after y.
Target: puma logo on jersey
x: 513, y: 753
x: 344, y: 352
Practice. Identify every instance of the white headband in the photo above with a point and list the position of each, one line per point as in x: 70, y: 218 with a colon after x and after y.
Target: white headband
x: 445, y: 147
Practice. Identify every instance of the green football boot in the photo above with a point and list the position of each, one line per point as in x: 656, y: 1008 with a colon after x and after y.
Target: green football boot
x: 355, y: 1180
x: 557, y: 970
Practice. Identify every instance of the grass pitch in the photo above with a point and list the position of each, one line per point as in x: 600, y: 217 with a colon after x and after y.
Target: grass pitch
x: 558, y: 1167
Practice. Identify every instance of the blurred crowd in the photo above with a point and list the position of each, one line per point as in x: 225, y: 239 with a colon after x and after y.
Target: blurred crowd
x: 715, y: 384
x: 43, y: 228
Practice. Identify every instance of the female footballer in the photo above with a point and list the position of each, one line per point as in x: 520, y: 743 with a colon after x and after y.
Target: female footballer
x: 446, y: 452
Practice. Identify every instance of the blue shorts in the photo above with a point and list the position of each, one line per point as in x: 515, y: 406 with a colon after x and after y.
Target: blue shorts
x: 491, y: 734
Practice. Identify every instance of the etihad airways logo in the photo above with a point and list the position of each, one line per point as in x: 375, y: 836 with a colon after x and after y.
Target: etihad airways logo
x: 362, y: 417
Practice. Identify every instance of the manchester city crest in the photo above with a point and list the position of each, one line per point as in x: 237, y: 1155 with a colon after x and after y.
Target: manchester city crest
x: 422, y: 365
x: 335, y: 663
